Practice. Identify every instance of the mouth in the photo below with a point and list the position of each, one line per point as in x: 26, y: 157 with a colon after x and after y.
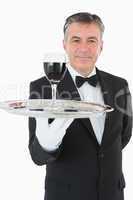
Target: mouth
x: 84, y: 58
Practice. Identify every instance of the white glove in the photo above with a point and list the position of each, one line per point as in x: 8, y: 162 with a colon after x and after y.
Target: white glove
x: 50, y: 136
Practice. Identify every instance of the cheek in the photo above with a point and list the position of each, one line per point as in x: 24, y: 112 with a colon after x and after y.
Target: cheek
x: 96, y: 51
x: 68, y: 49
x: 71, y: 52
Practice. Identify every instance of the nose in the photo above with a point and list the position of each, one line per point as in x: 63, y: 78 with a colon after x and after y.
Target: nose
x: 84, y: 46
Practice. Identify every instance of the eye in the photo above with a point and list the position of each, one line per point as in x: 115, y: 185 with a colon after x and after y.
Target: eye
x: 75, y: 40
x: 92, y: 41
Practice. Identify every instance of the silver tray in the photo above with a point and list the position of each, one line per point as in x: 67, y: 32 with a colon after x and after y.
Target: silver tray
x: 58, y: 109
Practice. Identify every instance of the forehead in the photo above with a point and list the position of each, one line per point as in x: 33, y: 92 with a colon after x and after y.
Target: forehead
x: 83, y: 29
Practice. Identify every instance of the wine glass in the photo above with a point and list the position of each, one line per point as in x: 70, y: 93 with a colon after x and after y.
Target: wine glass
x: 54, y: 67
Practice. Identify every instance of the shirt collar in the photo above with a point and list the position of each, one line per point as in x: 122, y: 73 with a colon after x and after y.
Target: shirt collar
x: 74, y: 73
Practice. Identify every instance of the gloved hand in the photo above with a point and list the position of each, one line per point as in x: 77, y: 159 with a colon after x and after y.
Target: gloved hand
x: 50, y: 136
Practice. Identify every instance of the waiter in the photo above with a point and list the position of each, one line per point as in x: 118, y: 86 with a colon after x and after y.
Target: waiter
x: 83, y: 157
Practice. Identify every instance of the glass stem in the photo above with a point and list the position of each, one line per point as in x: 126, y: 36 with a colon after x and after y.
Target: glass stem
x: 54, y: 87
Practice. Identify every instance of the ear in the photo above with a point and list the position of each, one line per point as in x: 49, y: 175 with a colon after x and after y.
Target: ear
x: 64, y: 46
x: 101, y: 45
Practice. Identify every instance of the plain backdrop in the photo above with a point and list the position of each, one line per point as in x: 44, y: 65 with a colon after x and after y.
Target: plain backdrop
x: 28, y: 29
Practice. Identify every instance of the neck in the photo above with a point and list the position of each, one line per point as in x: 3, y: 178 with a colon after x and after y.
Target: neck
x: 84, y: 73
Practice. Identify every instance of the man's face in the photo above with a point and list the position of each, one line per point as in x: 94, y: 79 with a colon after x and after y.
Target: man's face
x: 83, y: 45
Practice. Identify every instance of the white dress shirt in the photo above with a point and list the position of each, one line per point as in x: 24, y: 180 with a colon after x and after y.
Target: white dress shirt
x: 50, y: 136
x: 91, y: 94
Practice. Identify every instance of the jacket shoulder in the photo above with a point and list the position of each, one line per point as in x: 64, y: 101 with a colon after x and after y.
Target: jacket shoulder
x: 40, y: 88
x: 40, y: 81
x: 114, y: 79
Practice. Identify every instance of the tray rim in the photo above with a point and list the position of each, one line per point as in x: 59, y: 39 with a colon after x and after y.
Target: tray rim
x: 50, y: 100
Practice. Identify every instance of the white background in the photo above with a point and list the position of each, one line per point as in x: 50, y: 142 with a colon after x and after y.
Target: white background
x: 28, y: 29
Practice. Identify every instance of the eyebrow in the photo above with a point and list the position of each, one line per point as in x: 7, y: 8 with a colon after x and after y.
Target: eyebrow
x: 91, y: 37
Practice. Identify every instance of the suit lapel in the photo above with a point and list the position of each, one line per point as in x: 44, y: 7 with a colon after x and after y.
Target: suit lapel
x: 66, y: 89
x: 108, y: 97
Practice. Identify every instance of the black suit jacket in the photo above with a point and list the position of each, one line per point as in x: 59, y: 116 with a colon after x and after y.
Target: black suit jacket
x: 81, y: 169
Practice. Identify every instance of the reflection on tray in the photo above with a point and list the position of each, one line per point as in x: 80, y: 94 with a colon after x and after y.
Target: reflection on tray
x: 34, y: 109
x: 70, y: 110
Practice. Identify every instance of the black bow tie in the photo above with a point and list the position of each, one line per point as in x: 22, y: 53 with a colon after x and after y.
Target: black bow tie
x: 91, y: 80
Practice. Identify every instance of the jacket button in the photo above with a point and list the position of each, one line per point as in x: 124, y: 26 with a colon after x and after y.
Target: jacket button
x: 101, y: 155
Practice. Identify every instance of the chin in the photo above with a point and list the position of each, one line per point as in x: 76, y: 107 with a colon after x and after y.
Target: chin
x: 84, y: 67
x: 83, y: 70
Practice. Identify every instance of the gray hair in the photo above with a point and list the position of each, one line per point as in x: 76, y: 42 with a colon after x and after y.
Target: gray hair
x: 84, y: 17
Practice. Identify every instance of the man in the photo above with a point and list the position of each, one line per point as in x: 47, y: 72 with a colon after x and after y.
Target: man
x: 83, y: 157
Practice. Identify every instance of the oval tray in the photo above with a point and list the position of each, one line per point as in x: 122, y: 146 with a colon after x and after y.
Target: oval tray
x: 54, y: 109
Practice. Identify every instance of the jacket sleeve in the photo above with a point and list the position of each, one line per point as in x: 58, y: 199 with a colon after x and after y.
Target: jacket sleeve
x: 38, y: 154
x: 127, y: 119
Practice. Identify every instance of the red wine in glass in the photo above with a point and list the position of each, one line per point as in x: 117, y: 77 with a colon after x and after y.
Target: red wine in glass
x: 54, y: 67
x: 54, y: 71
